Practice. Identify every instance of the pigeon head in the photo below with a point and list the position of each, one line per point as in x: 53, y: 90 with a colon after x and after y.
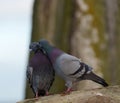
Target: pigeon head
x: 45, y: 46
x: 34, y: 46
x: 43, y: 43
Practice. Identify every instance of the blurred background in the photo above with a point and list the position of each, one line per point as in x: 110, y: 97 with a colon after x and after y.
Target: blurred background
x: 15, y: 30
x: 87, y: 29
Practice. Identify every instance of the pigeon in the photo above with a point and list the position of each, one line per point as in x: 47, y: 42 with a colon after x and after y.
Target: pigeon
x: 40, y: 72
x: 69, y: 67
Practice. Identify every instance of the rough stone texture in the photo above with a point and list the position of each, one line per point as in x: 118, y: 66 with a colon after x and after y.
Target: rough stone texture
x: 100, y: 95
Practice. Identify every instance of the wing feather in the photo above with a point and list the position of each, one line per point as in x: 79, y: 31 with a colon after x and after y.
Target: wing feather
x: 29, y: 73
x: 68, y: 63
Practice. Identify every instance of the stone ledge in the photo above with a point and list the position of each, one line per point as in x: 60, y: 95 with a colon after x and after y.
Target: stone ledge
x: 110, y: 94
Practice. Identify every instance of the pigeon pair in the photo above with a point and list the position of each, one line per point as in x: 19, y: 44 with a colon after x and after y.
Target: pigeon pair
x: 68, y: 67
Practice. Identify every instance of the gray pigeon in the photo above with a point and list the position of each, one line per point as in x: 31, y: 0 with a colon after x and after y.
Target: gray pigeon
x: 40, y: 72
x: 69, y: 67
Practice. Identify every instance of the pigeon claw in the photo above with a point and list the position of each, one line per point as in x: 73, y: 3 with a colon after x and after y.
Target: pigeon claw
x: 67, y: 92
x: 47, y: 93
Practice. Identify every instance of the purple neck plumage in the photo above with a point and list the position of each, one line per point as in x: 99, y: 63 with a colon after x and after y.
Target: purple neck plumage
x: 38, y: 57
x: 54, y: 54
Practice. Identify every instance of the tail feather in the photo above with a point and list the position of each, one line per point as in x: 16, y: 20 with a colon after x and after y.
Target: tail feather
x: 95, y: 78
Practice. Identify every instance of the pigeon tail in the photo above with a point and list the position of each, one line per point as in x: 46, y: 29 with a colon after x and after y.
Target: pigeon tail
x: 95, y: 78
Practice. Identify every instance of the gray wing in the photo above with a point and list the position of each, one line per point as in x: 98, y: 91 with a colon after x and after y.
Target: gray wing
x: 70, y: 65
x: 29, y: 73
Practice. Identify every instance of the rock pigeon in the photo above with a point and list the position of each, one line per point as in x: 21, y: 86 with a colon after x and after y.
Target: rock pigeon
x: 69, y: 67
x: 40, y: 72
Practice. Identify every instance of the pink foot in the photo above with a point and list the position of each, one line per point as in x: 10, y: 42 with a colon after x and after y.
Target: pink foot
x: 36, y: 96
x: 68, y: 91
x: 47, y: 93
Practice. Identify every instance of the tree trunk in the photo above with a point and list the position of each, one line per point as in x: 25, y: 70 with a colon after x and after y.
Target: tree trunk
x: 113, y: 40
x: 88, y: 41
